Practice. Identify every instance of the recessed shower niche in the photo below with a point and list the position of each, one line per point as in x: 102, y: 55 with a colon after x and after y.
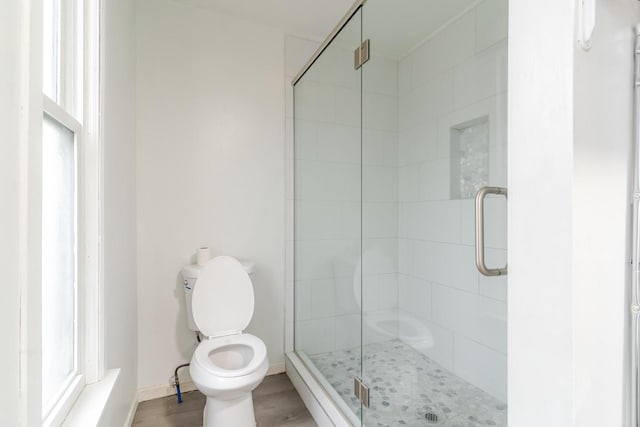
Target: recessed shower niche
x: 469, y: 157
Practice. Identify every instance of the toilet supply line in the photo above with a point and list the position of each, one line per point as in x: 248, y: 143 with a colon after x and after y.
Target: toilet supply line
x: 177, y: 381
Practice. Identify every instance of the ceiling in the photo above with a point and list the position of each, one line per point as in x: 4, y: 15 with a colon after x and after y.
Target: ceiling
x: 395, y: 25
x: 311, y: 18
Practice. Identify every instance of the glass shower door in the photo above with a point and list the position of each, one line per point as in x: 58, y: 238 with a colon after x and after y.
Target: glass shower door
x: 327, y: 217
x: 434, y: 329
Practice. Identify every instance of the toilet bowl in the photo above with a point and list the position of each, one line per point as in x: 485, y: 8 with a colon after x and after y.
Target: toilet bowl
x: 229, y: 364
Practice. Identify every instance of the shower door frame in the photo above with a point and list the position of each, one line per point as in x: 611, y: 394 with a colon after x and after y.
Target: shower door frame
x: 324, y: 408
x: 319, y: 401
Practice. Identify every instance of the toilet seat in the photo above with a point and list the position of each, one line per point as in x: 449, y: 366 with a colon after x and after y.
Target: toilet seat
x: 223, y: 301
x: 208, y: 348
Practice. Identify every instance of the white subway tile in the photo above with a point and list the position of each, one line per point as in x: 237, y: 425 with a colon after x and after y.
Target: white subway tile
x: 415, y: 297
x: 481, y: 77
x: 381, y: 76
x: 348, y: 295
x: 305, y: 139
x: 481, y: 366
x: 388, y: 284
x: 379, y: 147
x: 478, y: 318
x: 440, y: 344
x: 409, y: 183
x: 450, y: 47
x: 484, y: 108
x: 380, y: 219
x: 329, y: 220
x: 324, y: 259
x: 337, y: 143
x: 446, y: 264
x: 419, y: 143
x: 491, y: 23
x: 347, y: 107
x: 370, y: 292
x: 323, y: 298
x: 302, y: 296
x: 327, y: 181
x: 495, y: 286
x: 380, y: 183
x: 434, y: 180
x: 317, y: 102
x: 347, y: 331
x: 438, y: 221
x: 380, y: 256
x: 336, y: 66
x: 318, y: 336
x: 405, y: 256
x: 404, y: 75
x: 379, y: 111
x: 437, y: 97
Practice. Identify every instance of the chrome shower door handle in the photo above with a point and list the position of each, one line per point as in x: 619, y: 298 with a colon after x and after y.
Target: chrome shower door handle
x: 480, y: 197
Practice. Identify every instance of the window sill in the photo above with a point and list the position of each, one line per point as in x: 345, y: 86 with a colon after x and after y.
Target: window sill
x: 93, y: 399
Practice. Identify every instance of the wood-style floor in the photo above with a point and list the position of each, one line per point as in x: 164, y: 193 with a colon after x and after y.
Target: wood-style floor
x: 276, y: 403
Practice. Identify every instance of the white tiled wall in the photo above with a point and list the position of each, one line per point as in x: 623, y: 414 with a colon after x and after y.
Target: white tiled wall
x: 297, y: 52
x: 344, y: 191
x: 457, y: 76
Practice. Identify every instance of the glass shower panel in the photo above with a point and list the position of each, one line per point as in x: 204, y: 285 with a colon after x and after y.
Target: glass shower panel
x: 327, y: 235
x: 434, y: 133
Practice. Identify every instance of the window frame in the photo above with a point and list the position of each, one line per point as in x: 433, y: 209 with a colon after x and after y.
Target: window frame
x: 78, y: 109
x: 71, y: 390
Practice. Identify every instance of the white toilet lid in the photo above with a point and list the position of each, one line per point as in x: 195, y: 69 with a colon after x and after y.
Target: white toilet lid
x: 223, y: 298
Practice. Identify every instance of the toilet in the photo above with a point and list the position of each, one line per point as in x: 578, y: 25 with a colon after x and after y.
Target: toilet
x: 228, y: 364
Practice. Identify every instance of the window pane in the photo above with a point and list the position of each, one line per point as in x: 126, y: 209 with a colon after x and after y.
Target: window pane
x: 58, y: 259
x: 51, y: 48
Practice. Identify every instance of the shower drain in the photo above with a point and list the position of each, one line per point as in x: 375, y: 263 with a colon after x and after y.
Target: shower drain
x: 431, y: 417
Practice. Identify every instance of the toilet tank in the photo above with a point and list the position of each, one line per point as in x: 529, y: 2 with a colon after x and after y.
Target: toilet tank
x: 190, y: 274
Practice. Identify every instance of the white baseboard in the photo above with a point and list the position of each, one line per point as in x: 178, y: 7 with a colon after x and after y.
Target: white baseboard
x: 132, y: 413
x: 277, y: 368
x: 162, y: 390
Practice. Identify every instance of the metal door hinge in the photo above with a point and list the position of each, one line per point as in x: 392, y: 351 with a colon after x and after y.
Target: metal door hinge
x: 361, y: 391
x: 361, y: 54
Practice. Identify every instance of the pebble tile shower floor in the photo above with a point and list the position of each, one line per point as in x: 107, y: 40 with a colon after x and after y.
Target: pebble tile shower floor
x: 405, y: 386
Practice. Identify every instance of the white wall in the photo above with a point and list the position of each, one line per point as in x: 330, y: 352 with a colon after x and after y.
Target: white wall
x: 570, y: 136
x: 119, y: 201
x: 603, y: 132
x: 456, y: 76
x: 210, y: 133
x: 10, y: 212
x: 540, y: 212
x: 19, y: 401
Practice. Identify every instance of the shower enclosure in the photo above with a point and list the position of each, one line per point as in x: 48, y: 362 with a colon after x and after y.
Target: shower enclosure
x: 400, y: 125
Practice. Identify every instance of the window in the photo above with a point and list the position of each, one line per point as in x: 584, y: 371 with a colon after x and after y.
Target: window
x: 59, y: 261
x: 70, y: 288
